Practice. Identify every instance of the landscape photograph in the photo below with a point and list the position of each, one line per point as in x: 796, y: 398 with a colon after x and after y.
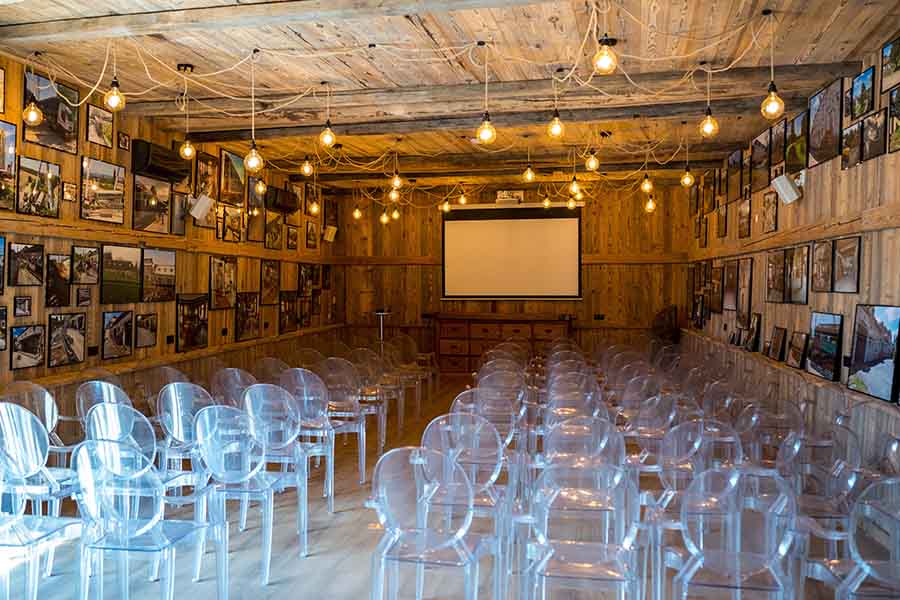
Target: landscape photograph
x: 102, y: 191
x: 67, y: 333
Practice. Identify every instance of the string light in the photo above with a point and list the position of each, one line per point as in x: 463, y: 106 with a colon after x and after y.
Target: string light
x: 546, y: 201
x: 570, y: 204
x: 253, y: 161
x: 33, y: 115
x: 314, y: 207
x: 357, y: 214
x: 327, y: 138
x: 396, y: 181
x: 709, y: 127
x: 605, y: 60
x: 687, y: 179
x: 260, y: 187
x: 445, y: 206
x: 574, y: 188
x: 555, y: 128
x: 772, y: 106
x: 384, y: 218
x: 306, y: 168
x: 647, y: 184
x: 462, y: 198
x: 528, y: 174
x: 186, y: 150
x: 394, y: 195
x: 579, y: 195
x: 114, y: 99
x: 396, y: 214
x: 592, y: 163
x: 650, y: 205
x: 486, y: 133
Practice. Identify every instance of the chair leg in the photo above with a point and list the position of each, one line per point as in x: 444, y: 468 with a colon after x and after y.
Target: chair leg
x: 420, y: 581
x: 221, y: 540
x: 267, y: 518
x: 362, y: 450
x: 382, y: 426
x: 245, y: 502
x: 302, y: 506
x: 167, y: 582
x: 329, y: 471
x: 200, y: 518
x: 85, y: 558
x: 393, y: 577
x: 123, y: 567
x: 54, y: 511
x: 401, y: 407
x: 378, y: 566
x: 33, y: 574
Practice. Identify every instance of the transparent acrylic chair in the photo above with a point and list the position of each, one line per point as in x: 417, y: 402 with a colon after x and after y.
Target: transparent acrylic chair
x: 404, y: 484
x: 373, y: 398
x: 738, y: 527
x: 464, y: 401
x: 307, y: 358
x: 25, y: 538
x: 235, y: 458
x: 94, y: 392
x: 121, y: 423
x: 122, y: 501
x: 344, y: 411
x: 414, y: 360
x: 276, y: 419
x: 176, y: 406
x: 408, y: 375
x: 228, y: 386
x: 151, y: 381
x: 269, y: 369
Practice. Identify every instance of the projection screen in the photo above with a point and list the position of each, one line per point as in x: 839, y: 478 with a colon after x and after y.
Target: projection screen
x: 512, y: 253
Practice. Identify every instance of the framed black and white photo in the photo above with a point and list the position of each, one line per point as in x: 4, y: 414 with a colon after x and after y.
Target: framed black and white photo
x: 823, y: 253
x: 797, y: 273
x: 874, y: 354
x: 69, y: 192
x: 83, y: 296
x: 776, y: 348
x: 59, y: 129
x: 40, y: 188
x: 192, y: 322
x: 222, y: 282
x: 312, y: 235
x: 874, y: 135
x: 152, y: 198
x: 67, y: 339
x: 27, y: 347
x: 8, y: 165
x: 58, y: 292
x: 770, y: 212
x: 796, y: 353
x: 274, y: 230
x: 230, y: 223
x: 118, y: 334
x: 120, y: 275
x: 293, y: 238
x: 269, y: 281
x: 744, y: 291
x: 145, y: 330
x: 206, y: 178
x: 846, y: 265
x: 124, y: 141
x: 102, y: 191
x: 85, y: 265
x: 287, y: 312
x: 775, y: 279
x: 158, y: 275
x: 825, y: 123
x: 22, y: 306
x: 247, y: 317
x: 26, y: 264
x: 99, y: 126
x: 826, y: 338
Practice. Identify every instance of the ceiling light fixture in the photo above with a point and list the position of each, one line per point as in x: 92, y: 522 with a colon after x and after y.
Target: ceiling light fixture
x: 357, y: 214
x: 592, y: 163
x: 307, y: 167
x: 773, y: 106
x: 394, y: 195
x: 384, y: 218
x: 327, y: 138
x: 546, y: 201
x: 647, y: 184
x: 687, y: 179
x: 253, y: 161
x: 528, y: 174
x: 445, y: 206
x: 709, y: 127
x: 486, y: 132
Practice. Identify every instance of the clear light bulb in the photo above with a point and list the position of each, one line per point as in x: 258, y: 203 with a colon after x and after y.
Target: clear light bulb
x: 253, y: 161
x: 395, y: 215
x: 327, y: 137
x: 570, y: 204
x: 592, y: 163
x: 605, y: 60
x: 33, y: 115
x: 357, y: 214
x: 546, y: 202
x: 579, y: 195
x: 314, y: 208
x: 384, y: 218
x: 445, y: 206
x: 114, y: 99
x: 647, y: 184
x: 462, y: 198
x: 555, y: 128
x: 574, y: 187
x: 528, y: 174
x: 394, y: 195
x: 687, y: 179
x: 773, y: 106
x: 396, y: 181
x: 306, y: 168
x: 187, y: 150
x: 486, y: 132
x: 260, y: 187
x: 650, y: 205
x: 709, y: 127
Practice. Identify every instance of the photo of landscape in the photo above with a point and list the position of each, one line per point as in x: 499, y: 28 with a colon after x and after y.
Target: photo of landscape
x: 40, y: 189
x: 121, y: 275
x: 102, y: 191
x: 151, y: 204
x: 7, y: 166
x: 872, y: 363
x: 67, y: 335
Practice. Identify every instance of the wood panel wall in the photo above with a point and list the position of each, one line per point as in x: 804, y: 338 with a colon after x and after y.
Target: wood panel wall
x: 193, y: 251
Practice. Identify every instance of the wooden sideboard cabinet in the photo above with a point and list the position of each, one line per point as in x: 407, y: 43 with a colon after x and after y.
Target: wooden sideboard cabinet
x: 462, y: 338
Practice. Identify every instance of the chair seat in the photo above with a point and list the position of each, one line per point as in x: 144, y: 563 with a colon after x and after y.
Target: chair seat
x: 259, y: 483
x: 582, y: 560
x: 725, y: 570
x: 833, y: 572
x: 819, y: 507
x: 164, y: 534
x: 439, y: 550
x: 29, y: 530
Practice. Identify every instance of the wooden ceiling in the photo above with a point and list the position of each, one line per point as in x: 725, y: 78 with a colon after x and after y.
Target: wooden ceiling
x: 407, y: 75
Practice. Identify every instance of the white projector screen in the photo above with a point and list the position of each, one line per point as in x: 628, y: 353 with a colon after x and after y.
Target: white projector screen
x: 512, y: 253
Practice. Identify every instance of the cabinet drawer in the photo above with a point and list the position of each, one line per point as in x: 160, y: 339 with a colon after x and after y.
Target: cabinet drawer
x: 456, y: 347
x: 454, y: 329
x: 479, y: 347
x: 549, y: 331
x: 454, y: 364
x: 517, y: 330
x: 485, y: 331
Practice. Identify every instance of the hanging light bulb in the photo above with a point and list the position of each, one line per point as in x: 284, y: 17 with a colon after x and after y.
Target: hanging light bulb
x: 445, y: 206
x: 187, y: 150
x: 579, y: 195
x: 592, y: 163
x: 605, y: 60
x: 314, y: 208
x: 253, y: 161
x: 574, y: 187
x: 114, y: 99
x: 709, y: 127
x: 462, y: 198
x: 396, y: 181
x: 33, y: 115
x: 687, y: 179
x: 357, y: 214
x: 647, y: 184
x: 395, y: 215
x: 486, y: 132
x: 528, y: 174
x: 307, y: 167
x: 773, y: 106
x: 546, y: 201
x: 650, y: 205
x: 260, y: 187
x: 570, y: 204
x: 327, y: 137
x: 384, y: 218
x: 555, y: 128
x: 394, y: 195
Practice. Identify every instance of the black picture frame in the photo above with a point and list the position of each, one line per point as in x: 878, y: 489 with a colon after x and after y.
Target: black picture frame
x: 274, y: 230
x: 796, y: 146
x: 894, y: 120
x: 151, y: 204
x: 797, y: 274
x: 825, y: 120
x: 729, y: 298
x: 745, y: 292
x: 232, y: 179
x: 862, y: 93
x: 59, y: 129
x: 33, y: 354
x: 883, y: 346
x: 117, y: 336
x: 722, y: 221
x: 874, y: 135
x: 292, y: 238
x: 57, y: 289
x: 760, y: 161
x: 222, y: 282
x: 115, y: 263
x: 775, y: 276
x: 191, y: 322
x: 776, y: 349
x: 825, y: 350
x: 846, y: 265
x: 36, y: 203
x: 74, y: 348
x: 247, y: 316
x: 4, y: 328
x: 101, y: 177
x: 159, y: 268
x: 22, y: 306
x: 735, y: 162
x: 85, y: 265
x: 146, y: 330
x: 851, y: 145
x: 97, y: 120
x: 9, y: 165
x: 206, y: 177
x: 890, y: 65
x: 269, y: 282
x: 744, y: 218
x: 229, y: 224
x: 796, y: 352
x: 33, y: 257
x: 287, y: 312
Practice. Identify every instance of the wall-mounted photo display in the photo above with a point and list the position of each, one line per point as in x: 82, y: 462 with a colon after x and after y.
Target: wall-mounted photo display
x: 246, y: 317
x: 305, y: 280
x: 293, y: 238
x: 722, y: 221
x: 750, y: 341
x: 848, y: 100
x: 823, y: 253
x: 744, y: 291
x: 85, y: 265
x: 846, y: 265
x: 796, y: 356
x: 825, y: 123
x: 894, y: 121
x: 230, y: 223
x: 873, y: 358
x: 775, y: 278
x: 747, y: 168
x: 59, y: 129
x: 118, y: 334
x: 312, y: 235
x: 287, y: 312
x: 120, y: 275
x: 8, y: 165
x: 102, y: 191
x: 704, y: 232
x: 4, y: 324
x: 890, y: 65
x: 26, y: 264
x: 862, y: 94
x: 69, y: 192
x: 305, y: 317
x: 315, y: 273
x: 145, y: 330
x: 231, y: 190
x: 735, y: 165
x: 206, y: 178
x: 770, y: 212
x: 26, y: 347
x: 697, y: 224
x: 179, y: 212
x: 124, y: 141
x: 192, y: 322
x: 326, y: 280
x: 731, y: 284
x: 716, y: 289
x: 40, y: 188
x: 776, y: 151
x: 67, y: 334
x: 22, y: 306
x: 2, y: 263
x: 256, y: 213
x: 759, y: 161
x: 698, y: 311
x: 274, y: 233
x: 99, y: 126
x: 151, y: 204
x: 776, y: 348
x: 874, y: 135
x: 851, y: 145
x: 269, y: 281
x: 708, y: 193
x: 796, y: 145
x: 797, y: 274
x: 222, y: 282
x: 744, y: 218
x: 826, y: 336
x: 58, y: 291
x: 83, y: 297
x: 158, y: 275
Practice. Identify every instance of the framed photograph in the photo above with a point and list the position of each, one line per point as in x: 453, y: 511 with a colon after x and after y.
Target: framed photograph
x: 4, y: 324
x: 158, y: 275
x: 67, y: 334
x: 770, y: 212
x: 734, y: 169
x: 3, y: 100
x: 151, y: 204
x: 206, y: 180
x: 776, y: 348
x: 230, y: 223
x: 823, y: 253
x: 99, y: 126
x: 709, y: 197
x: 118, y: 334
x: 192, y: 322
x: 293, y: 238
x: 59, y: 273
x: 287, y: 312
x: 315, y: 274
x: 873, y: 357
x: 256, y: 213
x: 246, y: 317
x: 305, y: 313
x: 744, y: 218
x: 751, y: 339
x: 102, y: 191
x: 274, y: 227
x: 704, y: 232
x: 8, y: 165
x: 826, y: 337
x: 890, y: 65
x: 825, y: 123
x: 26, y: 264
x: 231, y: 189
x: 145, y: 330
x: 120, y: 274
x: 729, y: 301
x: 697, y: 221
x: 304, y: 279
x: 269, y: 281
x: 760, y: 161
x: 846, y: 265
x: 82, y: 297
x: 894, y: 121
x: 85, y: 265
x: 26, y: 347
x: 70, y: 192
x: 775, y: 276
x: 40, y: 188
x: 778, y: 135
x: 796, y: 356
x: 694, y: 199
x: 874, y: 135
x: 222, y: 282
x: 796, y: 143
x: 315, y: 303
x: 797, y: 265
x: 179, y: 212
x: 3, y: 263
x: 124, y: 141
x: 326, y: 280
x: 745, y: 282
x: 851, y: 145
x: 21, y: 306
x: 862, y: 94
x: 59, y: 128
x: 722, y: 221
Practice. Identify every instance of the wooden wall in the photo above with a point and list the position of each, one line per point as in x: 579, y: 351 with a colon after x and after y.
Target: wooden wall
x: 632, y: 266
x: 193, y: 252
